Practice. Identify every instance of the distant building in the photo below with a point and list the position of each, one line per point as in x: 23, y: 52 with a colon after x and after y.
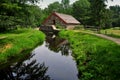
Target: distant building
x: 64, y: 20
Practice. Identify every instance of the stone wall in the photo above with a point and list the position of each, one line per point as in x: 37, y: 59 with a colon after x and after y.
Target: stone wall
x: 57, y: 21
x: 53, y: 19
x: 70, y: 27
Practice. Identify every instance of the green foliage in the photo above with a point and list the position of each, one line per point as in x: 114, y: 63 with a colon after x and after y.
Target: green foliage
x: 88, y: 12
x: 81, y: 11
x: 55, y: 6
x: 63, y: 7
x: 100, y: 15
x: 97, y: 12
x: 115, y: 15
x: 18, y: 41
x: 96, y: 58
x: 65, y: 3
x: 15, y: 13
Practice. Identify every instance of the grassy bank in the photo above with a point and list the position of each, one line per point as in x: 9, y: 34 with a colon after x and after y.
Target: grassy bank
x: 97, y: 58
x: 113, y: 32
x: 15, y: 42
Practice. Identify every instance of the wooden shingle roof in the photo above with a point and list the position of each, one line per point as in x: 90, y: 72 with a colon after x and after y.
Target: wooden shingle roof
x: 67, y: 19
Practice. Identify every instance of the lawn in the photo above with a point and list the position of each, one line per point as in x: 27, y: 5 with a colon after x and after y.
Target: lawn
x: 14, y: 42
x: 97, y: 58
x: 113, y: 32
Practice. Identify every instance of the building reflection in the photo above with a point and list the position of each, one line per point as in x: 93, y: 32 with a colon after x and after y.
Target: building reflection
x: 25, y: 71
x: 56, y: 44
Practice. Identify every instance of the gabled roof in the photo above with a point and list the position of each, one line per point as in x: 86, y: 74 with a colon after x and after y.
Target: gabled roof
x: 67, y: 19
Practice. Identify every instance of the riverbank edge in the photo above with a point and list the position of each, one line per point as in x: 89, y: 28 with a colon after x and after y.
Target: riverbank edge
x: 93, y: 55
x: 22, y: 43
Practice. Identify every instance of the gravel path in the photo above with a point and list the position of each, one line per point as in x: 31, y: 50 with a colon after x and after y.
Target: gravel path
x: 116, y: 40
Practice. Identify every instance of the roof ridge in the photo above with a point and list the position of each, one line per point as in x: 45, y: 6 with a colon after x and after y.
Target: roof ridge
x: 63, y: 14
x: 66, y: 18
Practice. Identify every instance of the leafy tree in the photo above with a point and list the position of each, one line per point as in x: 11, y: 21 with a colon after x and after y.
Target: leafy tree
x: 107, y: 19
x: 18, y: 12
x: 116, y: 15
x: 98, y: 13
x: 65, y: 3
x: 81, y: 10
x: 55, y: 6
x: 63, y: 7
x: 66, y: 7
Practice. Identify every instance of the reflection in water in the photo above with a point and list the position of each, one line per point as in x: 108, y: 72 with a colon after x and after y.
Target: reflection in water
x: 57, y: 44
x: 54, y: 53
x: 25, y: 71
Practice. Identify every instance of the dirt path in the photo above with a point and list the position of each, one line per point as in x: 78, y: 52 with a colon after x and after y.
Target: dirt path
x: 2, y: 37
x: 116, y: 40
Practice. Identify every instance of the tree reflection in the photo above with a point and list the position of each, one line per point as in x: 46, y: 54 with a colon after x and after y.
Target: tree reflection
x: 65, y: 49
x: 57, y: 44
x: 30, y: 71
x: 25, y: 71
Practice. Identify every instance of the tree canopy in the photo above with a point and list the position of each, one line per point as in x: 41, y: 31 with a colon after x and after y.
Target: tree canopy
x: 15, y: 13
x: 25, y: 13
x: 115, y: 15
x: 81, y: 11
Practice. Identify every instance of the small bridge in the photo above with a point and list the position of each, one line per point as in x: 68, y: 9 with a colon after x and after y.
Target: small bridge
x: 50, y: 28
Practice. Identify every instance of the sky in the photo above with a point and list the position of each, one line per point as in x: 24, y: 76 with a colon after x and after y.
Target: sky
x: 45, y: 3
x: 114, y: 2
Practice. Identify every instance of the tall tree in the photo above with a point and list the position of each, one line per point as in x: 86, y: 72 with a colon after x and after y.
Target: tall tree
x: 81, y: 10
x: 55, y: 6
x: 66, y: 7
x: 97, y: 11
x: 17, y: 12
x: 116, y: 15
x: 65, y: 3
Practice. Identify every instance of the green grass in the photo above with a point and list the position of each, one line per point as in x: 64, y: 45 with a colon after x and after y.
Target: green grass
x: 13, y: 43
x: 113, y: 32
x: 97, y: 58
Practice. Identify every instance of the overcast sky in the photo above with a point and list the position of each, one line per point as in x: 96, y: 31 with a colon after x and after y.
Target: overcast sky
x: 114, y: 2
x: 45, y: 3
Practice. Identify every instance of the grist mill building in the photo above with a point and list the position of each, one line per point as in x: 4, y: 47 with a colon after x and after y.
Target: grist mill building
x: 64, y: 20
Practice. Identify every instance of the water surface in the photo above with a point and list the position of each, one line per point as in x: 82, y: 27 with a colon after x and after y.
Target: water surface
x: 50, y: 61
